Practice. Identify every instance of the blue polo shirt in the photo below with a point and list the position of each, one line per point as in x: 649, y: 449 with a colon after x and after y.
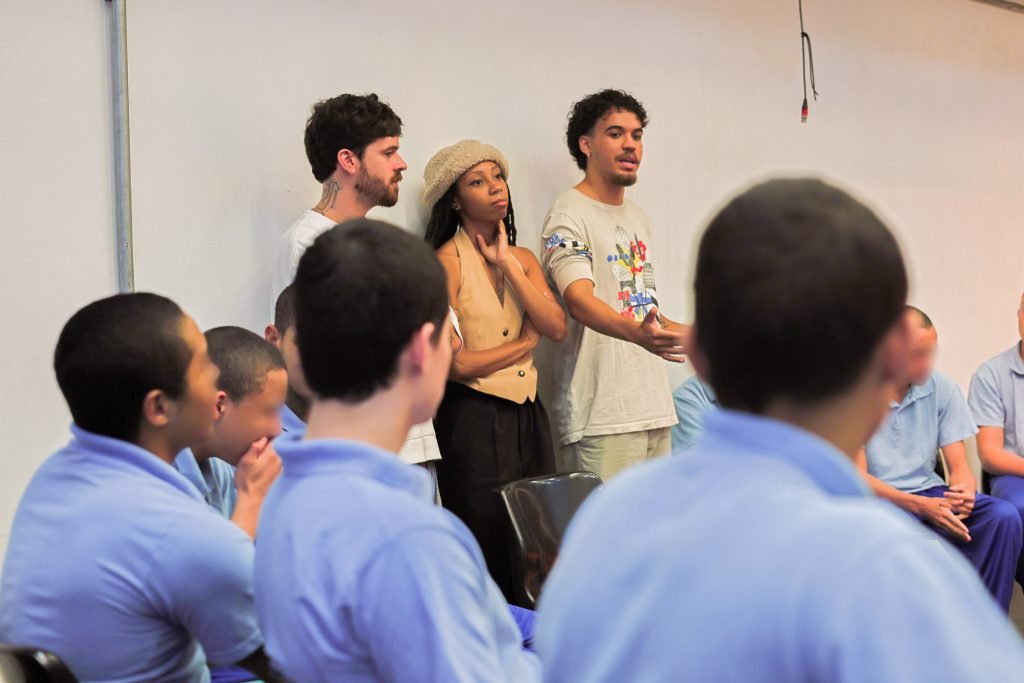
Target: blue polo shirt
x: 359, y: 577
x: 117, y: 565
x: 904, y: 451
x: 761, y: 556
x: 291, y: 423
x: 693, y: 398
x: 996, y: 397
x: 216, y: 485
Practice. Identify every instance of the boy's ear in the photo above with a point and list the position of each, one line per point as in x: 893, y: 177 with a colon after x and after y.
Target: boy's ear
x: 419, y: 348
x: 271, y: 334
x: 222, y: 402
x: 156, y: 408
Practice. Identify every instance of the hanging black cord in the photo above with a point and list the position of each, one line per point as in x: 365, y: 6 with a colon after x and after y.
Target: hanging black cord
x: 806, y: 60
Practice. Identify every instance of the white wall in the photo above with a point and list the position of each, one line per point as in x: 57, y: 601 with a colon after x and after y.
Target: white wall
x: 56, y: 210
x: 920, y: 112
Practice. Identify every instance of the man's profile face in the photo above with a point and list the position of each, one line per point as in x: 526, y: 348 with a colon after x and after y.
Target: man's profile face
x: 923, y: 346
x: 1020, y: 319
x: 380, y: 172
x: 196, y: 408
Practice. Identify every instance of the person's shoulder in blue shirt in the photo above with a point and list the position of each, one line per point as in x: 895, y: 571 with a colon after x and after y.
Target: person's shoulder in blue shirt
x: 214, y: 480
x: 694, y: 398
x: 759, y: 555
x: 826, y: 586
x: 996, y: 399
x: 955, y: 421
x: 115, y: 562
x: 358, y: 576
x: 399, y: 565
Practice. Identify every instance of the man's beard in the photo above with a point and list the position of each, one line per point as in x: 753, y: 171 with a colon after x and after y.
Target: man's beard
x: 375, y: 191
x: 624, y: 179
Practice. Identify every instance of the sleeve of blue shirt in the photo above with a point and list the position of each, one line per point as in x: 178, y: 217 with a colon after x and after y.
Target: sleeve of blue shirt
x: 224, y: 475
x: 953, y: 630
x: 955, y: 421
x: 690, y: 411
x: 430, y: 614
x: 204, y: 581
x: 984, y: 399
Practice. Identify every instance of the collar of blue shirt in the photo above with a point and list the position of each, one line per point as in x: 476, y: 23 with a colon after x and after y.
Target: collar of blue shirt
x: 729, y: 432
x: 339, y: 456
x: 185, y: 462
x: 915, y: 393
x: 290, y: 422
x: 1016, y: 362
x: 95, y: 445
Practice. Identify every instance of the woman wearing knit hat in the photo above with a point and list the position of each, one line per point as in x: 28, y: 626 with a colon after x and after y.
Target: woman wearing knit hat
x: 491, y: 428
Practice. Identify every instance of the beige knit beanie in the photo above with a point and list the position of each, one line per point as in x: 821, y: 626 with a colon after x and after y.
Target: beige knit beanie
x: 445, y: 167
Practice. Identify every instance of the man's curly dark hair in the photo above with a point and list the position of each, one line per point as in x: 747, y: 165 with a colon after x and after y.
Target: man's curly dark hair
x: 346, y: 122
x: 586, y: 113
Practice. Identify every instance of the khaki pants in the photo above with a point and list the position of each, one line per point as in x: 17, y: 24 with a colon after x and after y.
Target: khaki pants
x: 608, y: 455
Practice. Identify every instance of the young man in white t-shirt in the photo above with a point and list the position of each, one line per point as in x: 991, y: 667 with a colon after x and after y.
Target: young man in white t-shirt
x: 352, y: 146
x: 614, y: 403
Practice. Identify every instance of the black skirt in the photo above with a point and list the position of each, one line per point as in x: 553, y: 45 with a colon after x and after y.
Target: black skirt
x: 485, y: 442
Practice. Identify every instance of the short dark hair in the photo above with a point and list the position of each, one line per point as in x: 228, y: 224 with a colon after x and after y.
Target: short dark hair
x: 284, y: 309
x: 797, y: 282
x: 589, y: 110
x: 113, y: 352
x: 346, y: 122
x: 926, y: 322
x: 244, y: 359
x: 362, y: 289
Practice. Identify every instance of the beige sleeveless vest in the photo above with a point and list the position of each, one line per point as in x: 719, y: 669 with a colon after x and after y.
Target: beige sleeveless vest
x: 487, y: 324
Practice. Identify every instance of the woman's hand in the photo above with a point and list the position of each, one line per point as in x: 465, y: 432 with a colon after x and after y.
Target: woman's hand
x: 497, y: 254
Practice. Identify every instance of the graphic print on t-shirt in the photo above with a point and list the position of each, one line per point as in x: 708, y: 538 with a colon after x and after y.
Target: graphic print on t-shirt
x: 637, y: 291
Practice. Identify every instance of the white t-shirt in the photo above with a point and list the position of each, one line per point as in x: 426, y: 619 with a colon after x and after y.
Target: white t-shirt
x: 605, y: 385
x: 291, y: 246
x: 421, y: 444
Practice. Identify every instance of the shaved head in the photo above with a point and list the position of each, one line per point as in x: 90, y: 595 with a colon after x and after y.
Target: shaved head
x: 918, y: 317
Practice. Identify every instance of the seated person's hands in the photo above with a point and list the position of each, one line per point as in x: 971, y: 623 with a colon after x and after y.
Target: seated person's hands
x: 961, y: 500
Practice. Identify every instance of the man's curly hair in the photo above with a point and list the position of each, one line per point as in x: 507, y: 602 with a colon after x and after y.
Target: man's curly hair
x: 346, y: 122
x: 586, y: 113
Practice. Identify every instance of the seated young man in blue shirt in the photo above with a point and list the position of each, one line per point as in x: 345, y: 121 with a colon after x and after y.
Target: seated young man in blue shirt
x: 281, y: 333
x: 996, y: 398
x: 760, y: 554
x: 693, y: 399
x: 359, y: 577
x: 115, y: 562
x: 929, y: 413
x: 235, y: 467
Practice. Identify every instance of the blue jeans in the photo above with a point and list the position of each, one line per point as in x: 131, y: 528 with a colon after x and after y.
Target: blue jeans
x: 997, y: 533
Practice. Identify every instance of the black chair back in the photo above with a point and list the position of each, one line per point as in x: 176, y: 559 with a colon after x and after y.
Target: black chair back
x: 540, y: 509
x: 21, y: 664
